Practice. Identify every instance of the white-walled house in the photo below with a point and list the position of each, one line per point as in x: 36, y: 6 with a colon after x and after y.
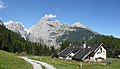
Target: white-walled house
x: 100, y: 53
x: 81, y: 53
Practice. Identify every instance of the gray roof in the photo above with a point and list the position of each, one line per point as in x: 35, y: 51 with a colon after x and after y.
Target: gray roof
x: 81, y: 53
x: 68, y: 50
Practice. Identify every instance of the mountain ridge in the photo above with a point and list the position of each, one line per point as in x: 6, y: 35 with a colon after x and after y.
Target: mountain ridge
x: 48, y: 31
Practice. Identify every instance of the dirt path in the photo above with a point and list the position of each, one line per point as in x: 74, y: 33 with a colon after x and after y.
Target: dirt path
x: 37, y: 64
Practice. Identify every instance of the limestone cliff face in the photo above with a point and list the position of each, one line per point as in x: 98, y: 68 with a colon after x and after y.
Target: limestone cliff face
x: 49, y: 31
x: 16, y: 27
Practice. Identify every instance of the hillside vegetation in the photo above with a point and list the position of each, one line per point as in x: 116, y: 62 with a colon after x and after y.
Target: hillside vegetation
x: 80, y: 34
x: 11, y: 61
x: 12, y: 42
x: 112, y: 44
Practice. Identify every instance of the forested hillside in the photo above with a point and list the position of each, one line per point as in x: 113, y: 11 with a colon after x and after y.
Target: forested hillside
x: 112, y: 44
x: 12, y: 42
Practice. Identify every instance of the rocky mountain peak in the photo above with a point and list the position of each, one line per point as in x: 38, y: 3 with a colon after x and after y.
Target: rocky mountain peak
x: 13, y: 24
x: 50, y: 32
x: 46, y: 30
x: 78, y: 24
x: 17, y: 27
x: 46, y: 19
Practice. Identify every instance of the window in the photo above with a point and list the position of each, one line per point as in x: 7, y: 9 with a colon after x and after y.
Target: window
x: 103, y: 52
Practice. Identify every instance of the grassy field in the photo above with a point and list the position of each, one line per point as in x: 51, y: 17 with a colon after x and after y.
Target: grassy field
x: 67, y: 64
x: 11, y: 61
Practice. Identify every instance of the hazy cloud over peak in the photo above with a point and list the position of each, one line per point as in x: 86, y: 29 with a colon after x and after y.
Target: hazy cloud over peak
x: 50, y: 16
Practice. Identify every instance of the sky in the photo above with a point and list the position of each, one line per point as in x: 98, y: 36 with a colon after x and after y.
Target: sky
x: 102, y: 16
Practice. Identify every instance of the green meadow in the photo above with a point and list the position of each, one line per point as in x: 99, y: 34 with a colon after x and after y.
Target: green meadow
x: 68, y: 64
x: 11, y: 61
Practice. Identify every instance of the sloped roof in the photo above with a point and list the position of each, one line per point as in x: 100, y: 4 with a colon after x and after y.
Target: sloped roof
x: 81, y: 53
x: 68, y: 50
x: 65, y: 51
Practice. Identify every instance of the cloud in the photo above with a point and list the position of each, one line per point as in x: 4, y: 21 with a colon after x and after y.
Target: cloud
x: 50, y: 16
x: 2, y: 5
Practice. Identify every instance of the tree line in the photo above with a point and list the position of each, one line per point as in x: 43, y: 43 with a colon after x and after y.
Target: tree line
x: 112, y: 44
x: 12, y: 42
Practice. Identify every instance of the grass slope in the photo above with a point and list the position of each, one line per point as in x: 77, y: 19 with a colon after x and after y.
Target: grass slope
x: 11, y: 61
x: 67, y: 64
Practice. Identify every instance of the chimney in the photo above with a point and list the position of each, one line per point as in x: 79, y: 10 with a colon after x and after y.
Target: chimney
x: 84, y: 45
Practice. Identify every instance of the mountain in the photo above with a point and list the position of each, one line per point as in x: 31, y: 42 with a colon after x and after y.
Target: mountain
x: 13, y: 42
x: 16, y: 27
x: 52, y: 32
x: 46, y: 31
x: 10, y: 41
x: 78, y: 24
